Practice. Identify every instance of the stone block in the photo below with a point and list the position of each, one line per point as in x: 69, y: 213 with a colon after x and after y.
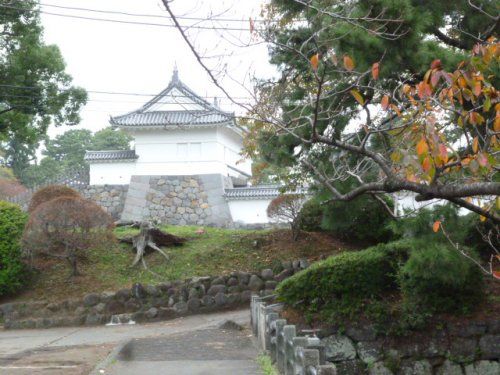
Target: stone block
x: 467, y: 329
x: 449, y: 368
x: 490, y: 347
x: 220, y: 299
x: 234, y: 289
x: 483, y: 368
x: 422, y: 367
x: 354, y: 367
x: 152, y: 290
x: 246, y: 295
x: 115, y: 307
x: 267, y: 274
x: 215, y: 289
x: 91, y: 299
x: 463, y: 349
x: 370, y: 351
x: 379, y: 368
x: 361, y: 332
x: 339, y: 348
x: 181, y: 308
x: 255, y: 283
x: 100, y: 308
x: 152, y: 313
x: 232, y: 281
x: 218, y: 281
x: 193, y: 304
x: 208, y: 301
x: 243, y: 278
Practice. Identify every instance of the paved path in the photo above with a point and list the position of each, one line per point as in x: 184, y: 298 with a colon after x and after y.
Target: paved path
x: 154, y: 348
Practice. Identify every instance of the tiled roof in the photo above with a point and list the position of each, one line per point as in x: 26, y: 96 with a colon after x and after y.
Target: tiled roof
x: 258, y: 192
x: 195, y: 111
x: 170, y: 118
x: 118, y: 155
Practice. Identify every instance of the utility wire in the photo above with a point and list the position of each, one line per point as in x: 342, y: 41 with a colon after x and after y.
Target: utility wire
x: 111, y: 93
x: 150, y: 15
x: 125, y: 22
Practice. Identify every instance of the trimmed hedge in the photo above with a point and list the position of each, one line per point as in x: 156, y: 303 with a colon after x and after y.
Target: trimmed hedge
x: 439, y: 279
x: 12, y: 269
x: 431, y: 276
x: 346, y: 278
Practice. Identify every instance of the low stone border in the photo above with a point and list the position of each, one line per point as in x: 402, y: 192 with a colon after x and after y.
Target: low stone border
x: 470, y: 349
x: 149, y: 303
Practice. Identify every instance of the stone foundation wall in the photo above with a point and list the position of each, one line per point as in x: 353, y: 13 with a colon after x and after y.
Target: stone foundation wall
x: 178, y: 200
x: 470, y: 348
x: 143, y: 303
x: 110, y: 197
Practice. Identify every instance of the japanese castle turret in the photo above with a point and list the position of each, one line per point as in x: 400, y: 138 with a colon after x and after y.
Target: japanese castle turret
x: 186, y: 166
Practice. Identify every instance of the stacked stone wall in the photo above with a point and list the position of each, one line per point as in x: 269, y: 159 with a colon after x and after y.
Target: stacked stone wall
x: 142, y: 303
x: 110, y: 197
x: 187, y: 200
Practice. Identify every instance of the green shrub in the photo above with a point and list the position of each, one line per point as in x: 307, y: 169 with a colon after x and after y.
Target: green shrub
x: 311, y: 216
x: 419, y: 225
x: 437, y: 278
x: 344, y: 281
x: 12, y: 270
x: 363, y: 219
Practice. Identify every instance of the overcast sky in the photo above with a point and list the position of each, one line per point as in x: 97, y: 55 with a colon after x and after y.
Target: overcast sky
x: 131, y: 58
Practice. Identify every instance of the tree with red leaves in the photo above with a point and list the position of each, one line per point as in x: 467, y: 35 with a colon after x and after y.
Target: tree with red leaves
x: 66, y: 228
x: 286, y: 208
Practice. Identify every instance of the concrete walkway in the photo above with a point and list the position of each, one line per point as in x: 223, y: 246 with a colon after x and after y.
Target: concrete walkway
x: 191, y: 345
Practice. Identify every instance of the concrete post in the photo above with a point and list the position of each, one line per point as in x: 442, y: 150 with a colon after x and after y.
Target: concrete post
x: 261, y: 327
x: 289, y: 332
x: 299, y: 343
x: 280, y: 344
x: 308, y: 360
x: 270, y: 327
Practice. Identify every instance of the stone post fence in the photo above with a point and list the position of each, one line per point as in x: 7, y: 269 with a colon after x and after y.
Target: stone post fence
x: 294, y: 353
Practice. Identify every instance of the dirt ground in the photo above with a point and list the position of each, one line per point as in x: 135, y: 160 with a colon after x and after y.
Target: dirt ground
x: 75, y: 360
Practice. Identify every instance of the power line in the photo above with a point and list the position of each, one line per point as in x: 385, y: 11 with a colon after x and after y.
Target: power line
x: 149, y: 15
x: 125, y: 22
x: 113, y: 93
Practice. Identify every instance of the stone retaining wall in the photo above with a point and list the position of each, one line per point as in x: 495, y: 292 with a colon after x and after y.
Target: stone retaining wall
x: 453, y: 349
x: 110, y: 197
x: 142, y: 303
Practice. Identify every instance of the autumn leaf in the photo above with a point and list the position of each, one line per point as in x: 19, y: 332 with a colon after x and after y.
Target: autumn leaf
x: 348, y: 63
x: 315, y: 61
x: 375, y: 70
x: 496, y: 274
x: 436, y: 64
x: 426, y: 164
x: 385, y: 102
x: 475, y: 145
x: 357, y: 95
x: 443, y: 153
x: 424, y: 90
x: 482, y: 160
x: 422, y: 147
x: 436, y: 225
x: 396, y: 109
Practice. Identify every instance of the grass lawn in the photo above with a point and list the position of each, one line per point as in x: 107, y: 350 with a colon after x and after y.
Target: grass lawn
x: 217, y: 252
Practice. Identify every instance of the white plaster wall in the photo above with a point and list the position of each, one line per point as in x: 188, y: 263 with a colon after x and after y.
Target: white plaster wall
x: 111, y: 173
x: 188, y: 152
x: 249, y: 211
